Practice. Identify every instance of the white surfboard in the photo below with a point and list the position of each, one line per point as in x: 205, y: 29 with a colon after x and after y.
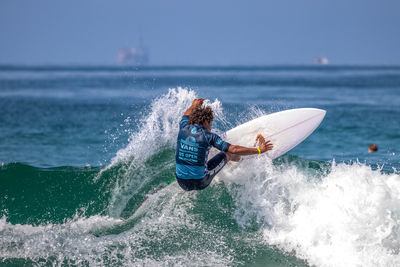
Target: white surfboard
x: 286, y: 129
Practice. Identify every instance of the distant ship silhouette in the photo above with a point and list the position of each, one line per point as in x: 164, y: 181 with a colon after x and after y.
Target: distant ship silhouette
x: 133, y: 55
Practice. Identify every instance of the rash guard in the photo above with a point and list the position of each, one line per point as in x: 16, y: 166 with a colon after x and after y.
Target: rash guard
x: 193, y: 145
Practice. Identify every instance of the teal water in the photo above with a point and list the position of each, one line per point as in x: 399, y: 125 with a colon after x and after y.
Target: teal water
x: 82, y: 147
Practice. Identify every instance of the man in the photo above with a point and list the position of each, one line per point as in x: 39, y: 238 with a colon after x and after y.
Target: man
x: 195, y: 139
x: 372, y: 148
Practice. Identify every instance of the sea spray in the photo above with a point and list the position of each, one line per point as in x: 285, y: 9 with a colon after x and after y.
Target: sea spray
x: 160, y: 127
x: 348, y: 216
x: 157, y: 131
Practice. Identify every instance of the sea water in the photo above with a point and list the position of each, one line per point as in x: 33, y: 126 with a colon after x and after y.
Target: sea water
x: 81, y: 147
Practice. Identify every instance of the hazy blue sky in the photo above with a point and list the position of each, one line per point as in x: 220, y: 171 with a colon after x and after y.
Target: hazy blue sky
x: 201, y: 32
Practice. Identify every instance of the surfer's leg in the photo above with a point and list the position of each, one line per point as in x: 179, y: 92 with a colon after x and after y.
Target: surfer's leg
x: 214, y: 166
x: 190, y: 184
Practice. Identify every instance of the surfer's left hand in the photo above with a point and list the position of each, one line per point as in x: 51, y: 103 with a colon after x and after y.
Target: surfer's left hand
x: 264, y: 145
x: 259, y: 139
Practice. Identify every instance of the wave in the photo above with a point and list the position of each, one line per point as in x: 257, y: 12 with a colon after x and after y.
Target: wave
x: 330, y: 215
x: 291, y: 211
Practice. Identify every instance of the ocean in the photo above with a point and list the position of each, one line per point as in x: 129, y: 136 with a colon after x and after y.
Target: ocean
x: 81, y: 147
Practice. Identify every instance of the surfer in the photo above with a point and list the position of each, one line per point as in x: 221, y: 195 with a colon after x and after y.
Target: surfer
x: 195, y: 139
x: 372, y: 148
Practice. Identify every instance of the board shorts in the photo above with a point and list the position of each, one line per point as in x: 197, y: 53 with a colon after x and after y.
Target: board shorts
x: 213, y: 167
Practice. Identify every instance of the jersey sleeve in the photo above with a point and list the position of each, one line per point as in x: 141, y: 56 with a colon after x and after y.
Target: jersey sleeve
x: 218, y: 143
x: 184, y: 121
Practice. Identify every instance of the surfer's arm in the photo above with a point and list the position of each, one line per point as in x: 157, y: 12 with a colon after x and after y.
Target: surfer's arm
x: 244, y: 151
x: 196, y: 103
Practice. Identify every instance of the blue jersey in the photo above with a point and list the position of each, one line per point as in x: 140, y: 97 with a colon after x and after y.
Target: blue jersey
x: 192, y: 148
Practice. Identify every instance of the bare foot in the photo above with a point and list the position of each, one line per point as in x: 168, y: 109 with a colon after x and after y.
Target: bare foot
x: 232, y: 157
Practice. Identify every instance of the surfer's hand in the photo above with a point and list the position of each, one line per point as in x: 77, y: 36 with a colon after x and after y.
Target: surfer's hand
x: 198, y: 102
x: 260, y: 139
x: 264, y: 145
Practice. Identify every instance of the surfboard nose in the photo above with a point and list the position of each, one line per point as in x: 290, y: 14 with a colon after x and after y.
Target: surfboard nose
x: 313, y: 112
x: 323, y: 112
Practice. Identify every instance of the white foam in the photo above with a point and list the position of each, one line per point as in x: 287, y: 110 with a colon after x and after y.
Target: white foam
x: 350, y: 217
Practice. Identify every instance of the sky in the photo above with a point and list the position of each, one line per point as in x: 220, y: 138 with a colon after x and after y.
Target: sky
x: 206, y: 32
